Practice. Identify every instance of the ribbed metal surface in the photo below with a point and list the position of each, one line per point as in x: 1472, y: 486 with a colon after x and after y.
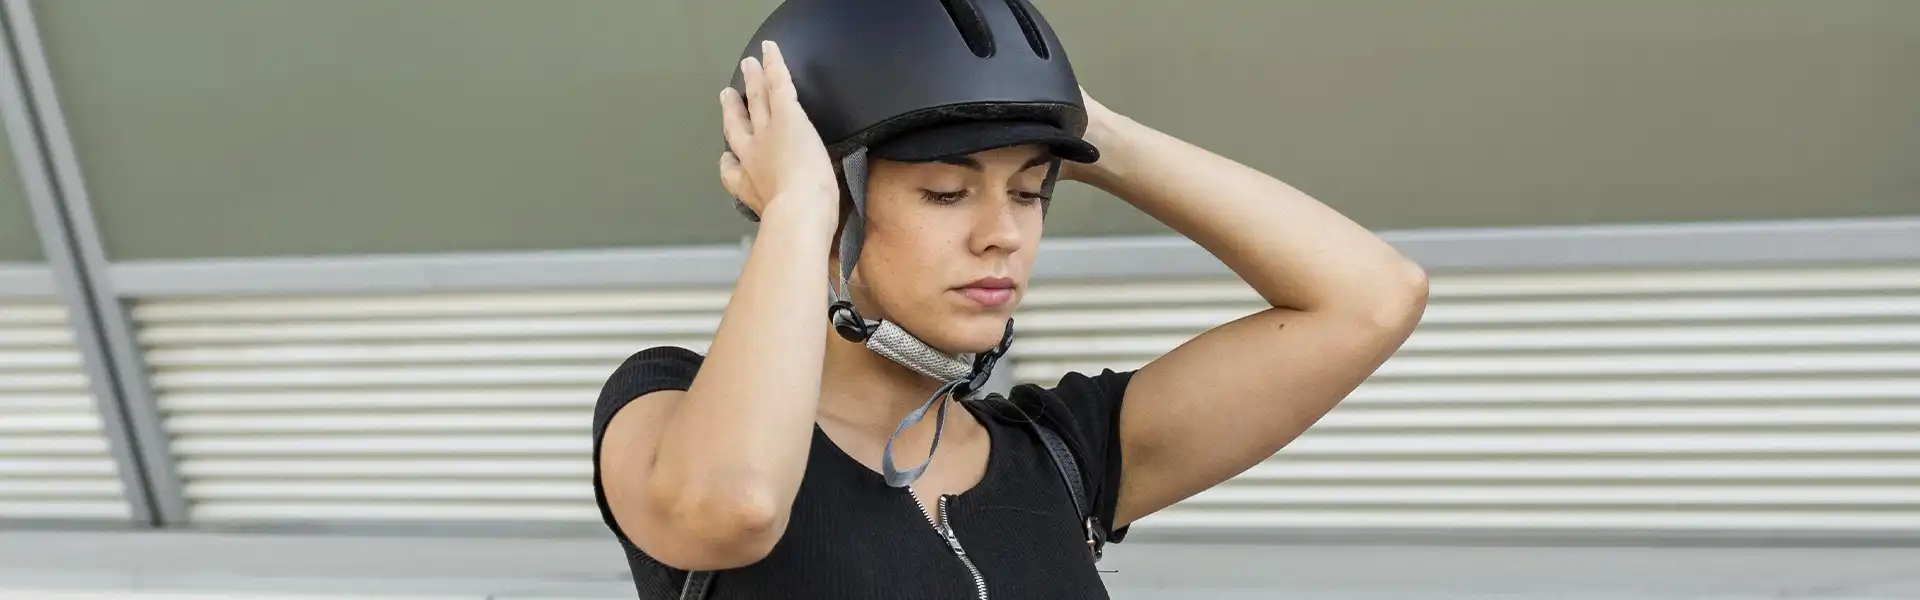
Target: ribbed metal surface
x: 1720, y: 400
x: 1696, y: 400
x: 54, y: 462
x: 447, y: 407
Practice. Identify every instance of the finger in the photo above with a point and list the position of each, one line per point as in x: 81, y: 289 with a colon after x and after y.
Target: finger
x: 733, y: 120
x: 730, y: 176
x: 733, y: 177
x: 756, y: 83
x: 779, y: 79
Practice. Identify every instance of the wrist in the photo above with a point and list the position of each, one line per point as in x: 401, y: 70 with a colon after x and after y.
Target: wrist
x: 1111, y: 133
x: 812, y: 211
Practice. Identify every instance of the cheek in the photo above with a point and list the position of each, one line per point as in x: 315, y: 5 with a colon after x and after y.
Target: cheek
x: 904, y: 254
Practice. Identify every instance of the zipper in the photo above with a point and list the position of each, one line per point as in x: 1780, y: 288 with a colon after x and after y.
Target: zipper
x: 945, y: 529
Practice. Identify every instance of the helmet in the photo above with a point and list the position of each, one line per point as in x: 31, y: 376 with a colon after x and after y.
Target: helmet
x: 921, y: 80
x: 985, y: 73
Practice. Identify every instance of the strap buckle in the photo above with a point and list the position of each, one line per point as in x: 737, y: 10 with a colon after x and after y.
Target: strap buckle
x: 1096, y: 539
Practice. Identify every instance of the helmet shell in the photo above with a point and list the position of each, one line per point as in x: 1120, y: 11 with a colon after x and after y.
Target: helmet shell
x: 866, y: 70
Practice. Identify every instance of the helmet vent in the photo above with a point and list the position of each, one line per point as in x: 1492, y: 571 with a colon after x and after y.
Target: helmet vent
x: 1028, y: 27
x: 972, y: 27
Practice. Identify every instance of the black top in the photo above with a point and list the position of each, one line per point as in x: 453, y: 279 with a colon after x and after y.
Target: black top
x: 852, y: 537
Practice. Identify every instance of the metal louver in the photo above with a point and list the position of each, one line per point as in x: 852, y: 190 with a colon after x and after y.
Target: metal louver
x: 1716, y: 400
x: 1749, y: 400
x: 54, y: 460
x: 443, y: 407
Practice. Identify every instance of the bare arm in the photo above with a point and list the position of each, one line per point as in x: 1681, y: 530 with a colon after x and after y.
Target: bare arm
x: 1343, y: 302
x: 705, y: 479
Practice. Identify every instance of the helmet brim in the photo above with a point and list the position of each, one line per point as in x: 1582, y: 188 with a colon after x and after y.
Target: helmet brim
x: 960, y: 139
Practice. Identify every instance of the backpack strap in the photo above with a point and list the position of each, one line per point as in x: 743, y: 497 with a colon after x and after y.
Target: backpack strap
x: 1076, y: 486
x: 696, y: 586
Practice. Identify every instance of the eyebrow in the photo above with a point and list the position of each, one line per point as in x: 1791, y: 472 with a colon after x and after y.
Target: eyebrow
x: 974, y: 165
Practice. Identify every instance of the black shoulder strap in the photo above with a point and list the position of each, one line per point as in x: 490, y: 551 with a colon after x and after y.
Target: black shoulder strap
x: 1076, y: 486
x: 696, y: 586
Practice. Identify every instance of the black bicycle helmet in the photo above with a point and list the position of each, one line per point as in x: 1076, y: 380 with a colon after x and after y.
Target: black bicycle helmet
x: 918, y: 80
x: 922, y: 80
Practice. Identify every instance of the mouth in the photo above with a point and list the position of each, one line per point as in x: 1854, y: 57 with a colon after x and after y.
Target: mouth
x: 988, y: 292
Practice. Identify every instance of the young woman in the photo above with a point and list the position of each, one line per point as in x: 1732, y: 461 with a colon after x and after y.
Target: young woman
x: 796, y: 460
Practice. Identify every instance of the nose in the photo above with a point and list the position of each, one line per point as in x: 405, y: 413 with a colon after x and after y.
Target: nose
x: 996, y: 226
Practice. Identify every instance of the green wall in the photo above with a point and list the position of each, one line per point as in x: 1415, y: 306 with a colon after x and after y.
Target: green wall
x: 18, y: 242
x: 277, y: 127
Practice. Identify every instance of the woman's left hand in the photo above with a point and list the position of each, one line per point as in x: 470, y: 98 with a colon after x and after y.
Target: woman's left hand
x: 1099, y: 118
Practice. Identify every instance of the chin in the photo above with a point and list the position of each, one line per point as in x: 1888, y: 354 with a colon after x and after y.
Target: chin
x: 963, y: 334
x: 974, y: 334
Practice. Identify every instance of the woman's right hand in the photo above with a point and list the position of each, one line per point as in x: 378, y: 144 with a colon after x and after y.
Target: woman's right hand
x: 774, y: 151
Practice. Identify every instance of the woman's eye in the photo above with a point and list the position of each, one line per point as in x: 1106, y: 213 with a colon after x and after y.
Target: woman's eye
x: 1029, y: 197
x: 943, y: 197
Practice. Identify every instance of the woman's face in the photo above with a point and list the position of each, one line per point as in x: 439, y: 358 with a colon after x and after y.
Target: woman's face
x: 949, y: 245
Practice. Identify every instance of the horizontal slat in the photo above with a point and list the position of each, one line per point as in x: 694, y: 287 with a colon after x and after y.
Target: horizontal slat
x: 418, y: 354
x: 1499, y: 313
x: 38, y: 445
x: 433, y: 329
x: 32, y: 314
x: 1284, y: 470
x: 1652, y: 364
x: 39, y: 359
x: 382, y: 400
x: 28, y: 337
x: 22, y: 403
x: 56, y: 467
x: 1874, y: 522
x: 577, y: 423
x: 375, y: 445
x: 1622, y: 283
x: 213, y: 468
x: 435, y: 306
x: 572, y: 491
x: 72, y: 488
x: 1627, y: 416
x: 384, y: 376
x: 1280, y: 496
x: 424, y: 511
x: 1625, y: 364
x: 1539, y: 339
x: 1893, y: 388
x: 43, y: 382
x: 1318, y: 442
x: 1451, y: 286
x: 65, y: 509
x: 11, y: 424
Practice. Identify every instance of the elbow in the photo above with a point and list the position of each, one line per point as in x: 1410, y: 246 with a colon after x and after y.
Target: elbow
x: 720, y: 528
x: 1402, y: 300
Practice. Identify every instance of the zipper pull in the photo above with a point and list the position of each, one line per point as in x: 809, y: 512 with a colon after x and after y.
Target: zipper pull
x: 954, y: 542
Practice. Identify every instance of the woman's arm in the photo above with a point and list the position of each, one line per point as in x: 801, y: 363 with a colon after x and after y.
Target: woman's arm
x: 1343, y: 301
x: 704, y: 479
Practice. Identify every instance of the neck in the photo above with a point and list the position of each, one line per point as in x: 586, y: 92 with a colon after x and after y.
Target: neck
x: 868, y: 391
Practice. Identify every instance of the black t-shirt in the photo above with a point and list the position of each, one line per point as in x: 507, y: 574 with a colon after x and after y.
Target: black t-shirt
x: 852, y: 537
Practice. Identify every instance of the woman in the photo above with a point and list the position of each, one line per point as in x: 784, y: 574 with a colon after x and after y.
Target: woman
x: 774, y: 466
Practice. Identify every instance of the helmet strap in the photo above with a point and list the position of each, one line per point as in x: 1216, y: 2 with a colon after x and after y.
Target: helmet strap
x: 960, y: 375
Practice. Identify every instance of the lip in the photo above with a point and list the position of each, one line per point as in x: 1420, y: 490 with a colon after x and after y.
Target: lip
x: 988, y: 292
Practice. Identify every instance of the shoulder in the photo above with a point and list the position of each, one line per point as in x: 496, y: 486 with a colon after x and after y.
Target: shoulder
x: 1085, y: 410
x: 1087, y: 404
x: 647, y: 371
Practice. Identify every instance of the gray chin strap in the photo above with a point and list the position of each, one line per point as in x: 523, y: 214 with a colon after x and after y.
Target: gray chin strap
x: 960, y: 376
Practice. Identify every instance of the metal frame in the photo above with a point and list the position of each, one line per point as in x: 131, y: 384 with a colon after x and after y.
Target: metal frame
x: 1774, y: 243
x: 50, y: 172
x: 26, y: 280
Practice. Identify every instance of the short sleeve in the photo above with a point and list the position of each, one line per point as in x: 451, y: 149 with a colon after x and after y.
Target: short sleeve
x: 647, y: 371
x: 1092, y: 405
